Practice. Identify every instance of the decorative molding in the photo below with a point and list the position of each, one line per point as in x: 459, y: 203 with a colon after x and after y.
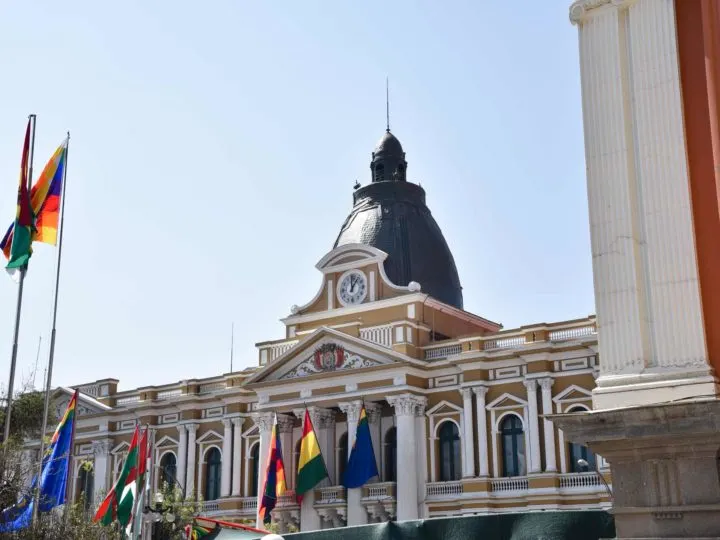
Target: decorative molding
x: 320, y: 418
x: 480, y: 391
x: 238, y: 421
x: 581, y: 10
x: 352, y: 410
x: 264, y: 421
x: 286, y: 423
x: 531, y: 385
x: 101, y: 448
x: 374, y: 412
x: 408, y: 404
x: 327, y: 358
x: 546, y: 383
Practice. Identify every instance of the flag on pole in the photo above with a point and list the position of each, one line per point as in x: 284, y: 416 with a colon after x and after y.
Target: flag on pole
x: 274, y: 483
x: 45, y: 200
x: 117, y: 504
x: 361, y: 466
x: 21, y: 244
x: 53, y: 478
x: 311, y: 465
x: 134, y: 526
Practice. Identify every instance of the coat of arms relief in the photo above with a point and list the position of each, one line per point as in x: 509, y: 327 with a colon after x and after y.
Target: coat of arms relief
x: 328, y: 357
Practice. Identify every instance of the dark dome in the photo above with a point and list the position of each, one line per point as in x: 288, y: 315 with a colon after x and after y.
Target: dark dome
x: 391, y: 215
x: 389, y: 144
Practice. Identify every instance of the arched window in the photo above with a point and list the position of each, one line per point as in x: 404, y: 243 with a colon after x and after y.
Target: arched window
x: 168, y: 470
x: 86, y: 482
x: 213, y: 463
x: 513, y: 446
x: 255, y: 456
x: 342, y: 457
x: 579, y: 452
x: 449, y: 452
x: 391, y: 455
x: 379, y: 172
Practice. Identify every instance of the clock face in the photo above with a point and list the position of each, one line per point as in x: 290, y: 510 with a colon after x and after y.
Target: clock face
x: 352, y: 288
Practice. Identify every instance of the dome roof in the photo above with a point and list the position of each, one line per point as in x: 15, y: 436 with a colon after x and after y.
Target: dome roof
x: 389, y: 144
x: 392, y: 216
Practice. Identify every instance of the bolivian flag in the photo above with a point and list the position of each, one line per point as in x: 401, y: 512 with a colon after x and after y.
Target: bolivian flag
x: 311, y: 465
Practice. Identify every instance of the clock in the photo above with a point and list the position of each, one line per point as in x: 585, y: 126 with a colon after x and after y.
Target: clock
x: 352, y: 288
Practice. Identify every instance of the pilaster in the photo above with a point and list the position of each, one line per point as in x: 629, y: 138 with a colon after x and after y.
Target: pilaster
x: 468, y: 462
x: 264, y: 422
x: 191, y: 453
x: 534, y: 465
x: 182, y: 456
x: 226, y: 463
x: 548, y: 427
x: 237, y: 455
x: 356, y: 514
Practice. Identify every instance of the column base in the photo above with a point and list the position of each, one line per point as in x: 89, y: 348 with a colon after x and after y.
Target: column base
x: 652, y: 387
x: 664, y: 461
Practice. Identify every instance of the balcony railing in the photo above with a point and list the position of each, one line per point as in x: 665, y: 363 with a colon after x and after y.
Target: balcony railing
x: 515, y: 483
x: 443, y: 489
x: 382, y: 335
x: 210, y: 506
x: 248, y: 504
x: 332, y: 494
x: 128, y: 399
x: 211, y: 387
x: 580, y: 480
x: 380, y: 491
x: 513, y: 340
x: 286, y: 499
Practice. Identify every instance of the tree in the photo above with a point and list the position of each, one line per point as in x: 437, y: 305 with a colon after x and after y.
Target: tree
x: 171, y: 513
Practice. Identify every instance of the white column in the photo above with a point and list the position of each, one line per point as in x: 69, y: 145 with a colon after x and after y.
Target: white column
x: 356, y: 514
x: 153, y: 465
x: 421, y: 457
x: 650, y: 326
x: 182, y: 456
x: 534, y: 465
x: 101, y: 450
x: 407, y: 495
x: 548, y: 427
x: 237, y: 455
x: 482, y: 434
x: 468, y: 464
x: 286, y: 424
x: 264, y: 422
x: 226, y: 463
x: 374, y: 412
x: 191, y: 452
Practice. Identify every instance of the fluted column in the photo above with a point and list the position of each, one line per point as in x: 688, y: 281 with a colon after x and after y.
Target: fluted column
x: 264, y: 422
x: 237, y: 455
x: 647, y: 294
x: 191, y: 453
x: 356, y: 514
x: 468, y: 464
x: 226, y: 463
x: 101, y: 449
x: 286, y: 424
x: 421, y: 456
x: 533, y: 428
x: 548, y: 427
x: 482, y: 433
x: 182, y: 457
x: 405, y: 406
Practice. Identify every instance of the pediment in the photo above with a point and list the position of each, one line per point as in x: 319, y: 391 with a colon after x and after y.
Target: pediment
x: 573, y: 393
x: 210, y: 436
x: 443, y: 408
x: 166, y: 442
x: 327, y: 352
x: 86, y: 404
x: 350, y: 256
x: 506, y: 401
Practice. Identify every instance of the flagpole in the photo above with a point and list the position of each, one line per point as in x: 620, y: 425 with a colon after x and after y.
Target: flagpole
x: 48, y: 378
x: 18, y: 307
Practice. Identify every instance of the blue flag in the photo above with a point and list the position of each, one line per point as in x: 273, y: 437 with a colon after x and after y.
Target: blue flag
x: 361, y: 466
x: 53, y: 478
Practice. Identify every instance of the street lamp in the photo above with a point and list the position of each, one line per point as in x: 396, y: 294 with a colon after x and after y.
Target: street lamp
x: 583, y: 463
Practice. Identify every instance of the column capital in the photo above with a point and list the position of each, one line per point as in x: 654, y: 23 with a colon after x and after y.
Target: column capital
x: 286, y: 423
x: 321, y: 418
x: 181, y: 428
x: 530, y: 384
x: 101, y: 448
x: 238, y: 421
x: 351, y: 409
x: 466, y: 393
x: 546, y: 383
x: 407, y: 404
x: 227, y: 423
x: 264, y: 421
x: 192, y: 428
x: 374, y: 411
x: 582, y: 10
x: 480, y: 391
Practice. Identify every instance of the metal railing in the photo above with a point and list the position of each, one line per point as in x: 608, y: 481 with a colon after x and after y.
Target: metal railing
x: 436, y: 489
x: 514, y: 483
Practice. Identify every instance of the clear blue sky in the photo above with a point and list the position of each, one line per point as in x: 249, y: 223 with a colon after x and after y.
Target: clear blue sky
x: 215, y: 145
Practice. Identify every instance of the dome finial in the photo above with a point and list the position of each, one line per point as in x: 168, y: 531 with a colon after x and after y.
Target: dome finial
x: 387, y: 104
